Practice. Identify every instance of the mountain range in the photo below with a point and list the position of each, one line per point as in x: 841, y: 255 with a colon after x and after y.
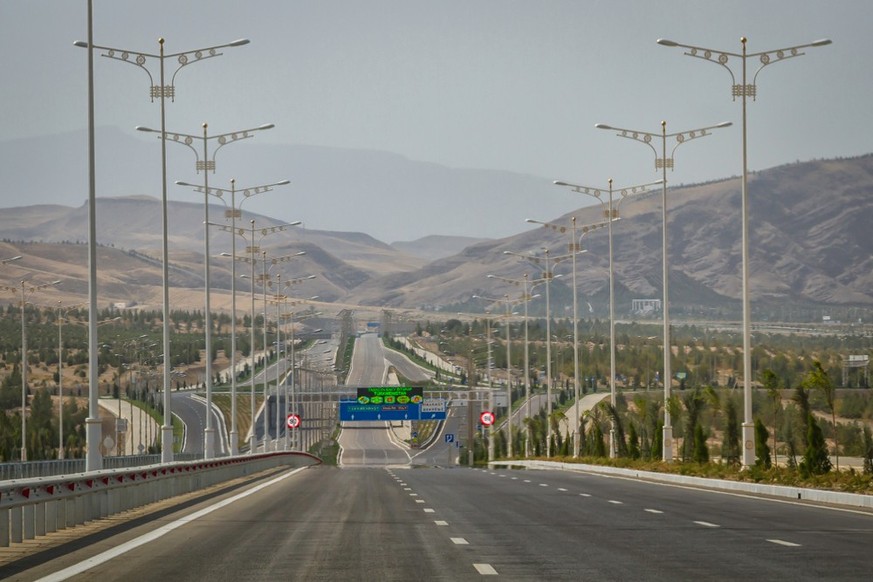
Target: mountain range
x: 810, y: 243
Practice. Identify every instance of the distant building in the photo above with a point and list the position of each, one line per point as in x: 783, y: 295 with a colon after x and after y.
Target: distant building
x: 646, y: 306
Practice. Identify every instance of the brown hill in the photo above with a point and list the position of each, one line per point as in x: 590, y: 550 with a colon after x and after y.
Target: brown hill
x: 810, y: 250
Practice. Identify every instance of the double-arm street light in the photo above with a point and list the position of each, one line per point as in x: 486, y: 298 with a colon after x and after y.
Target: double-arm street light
x: 611, y: 212
x: 233, y: 212
x: 265, y: 282
x: 280, y: 317
x: 488, y: 371
x: 24, y: 290
x: 547, y: 277
x: 253, y: 249
x: 207, y: 163
x: 525, y: 297
x: 745, y: 90
x: 574, y: 248
x: 161, y: 91
x: 663, y: 162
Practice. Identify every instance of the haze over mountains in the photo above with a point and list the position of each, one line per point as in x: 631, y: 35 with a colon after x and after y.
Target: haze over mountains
x: 810, y: 239
x: 385, y: 195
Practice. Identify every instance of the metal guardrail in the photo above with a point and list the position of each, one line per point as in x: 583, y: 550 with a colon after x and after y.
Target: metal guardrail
x: 35, y: 469
x: 37, y: 506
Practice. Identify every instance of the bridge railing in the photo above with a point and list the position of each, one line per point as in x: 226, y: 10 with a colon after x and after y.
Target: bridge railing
x: 33, y: 469
x: 33, y: 507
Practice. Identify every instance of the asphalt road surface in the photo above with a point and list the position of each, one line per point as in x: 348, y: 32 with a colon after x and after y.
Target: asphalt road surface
x: 386, y: 524
x: 192, y: 412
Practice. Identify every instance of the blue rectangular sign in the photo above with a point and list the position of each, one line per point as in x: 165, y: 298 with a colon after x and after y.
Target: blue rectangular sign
x: 375, y: 412
x: 355, y: 411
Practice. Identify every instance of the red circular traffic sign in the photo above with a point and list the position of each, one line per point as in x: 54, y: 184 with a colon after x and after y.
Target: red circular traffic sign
x: 293, y: 421
x: 487, y: 418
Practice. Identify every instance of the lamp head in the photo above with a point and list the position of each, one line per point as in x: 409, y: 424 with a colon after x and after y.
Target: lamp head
x: 822, y: 42
x: 725, y: 124
x: 240, y: 42
x: 603, y: 126
x: 667, y: 42
x: 266, y: 126
x: 81, y: 44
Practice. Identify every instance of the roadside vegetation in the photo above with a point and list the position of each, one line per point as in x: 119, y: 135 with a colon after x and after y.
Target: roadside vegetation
x: 806, y: 420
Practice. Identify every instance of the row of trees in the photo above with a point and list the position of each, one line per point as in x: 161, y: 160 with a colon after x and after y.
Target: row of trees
x: 706, y: 423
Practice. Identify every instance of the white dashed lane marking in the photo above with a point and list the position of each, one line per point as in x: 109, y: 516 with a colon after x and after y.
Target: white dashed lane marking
x: 460, y: 541
x: 706, y: 524
x: 654, y: 511
x: 485, y: 569
x: 784, y: 543
x: 441, y: 522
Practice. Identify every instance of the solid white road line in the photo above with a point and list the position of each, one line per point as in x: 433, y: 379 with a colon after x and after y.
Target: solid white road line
x: 104, y: 557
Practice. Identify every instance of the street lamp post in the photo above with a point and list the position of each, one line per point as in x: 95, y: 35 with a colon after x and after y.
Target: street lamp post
x: 662, y: 163
x: 547, y: 277
x: 289, y: 316
x: 161, y: 91
x: 574, y: 248
x: 233, y: 213
x: 745, y: 90
x: 24, y: 291
x: 611, y: 213
x: 206, y: 164
x: 525, y: 298
x: 264, y: 278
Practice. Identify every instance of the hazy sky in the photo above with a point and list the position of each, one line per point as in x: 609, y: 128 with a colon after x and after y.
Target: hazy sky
x: 497, y: 84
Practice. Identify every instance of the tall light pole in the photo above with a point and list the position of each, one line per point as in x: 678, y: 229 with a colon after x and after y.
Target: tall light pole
x: 289, y: 316
x: 62, y: 312
x: 24, y: 290
x: 206, y: 164
x: 525, y: 297
x: 93, y: 424
x: 233, y: 213
x: 611, y: 213
x: 253, y: 249
x: 662, y: 163
x: 574, y: 248
x: 162, y: 91
x: 264, y: 278
x: 547, y: 277
x: 745, y: 90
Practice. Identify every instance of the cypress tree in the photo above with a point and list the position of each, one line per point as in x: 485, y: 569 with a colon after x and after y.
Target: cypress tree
x: 762, y: 450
